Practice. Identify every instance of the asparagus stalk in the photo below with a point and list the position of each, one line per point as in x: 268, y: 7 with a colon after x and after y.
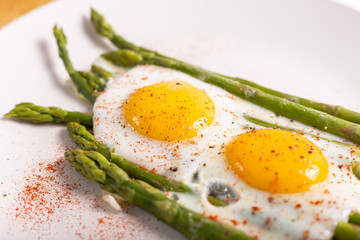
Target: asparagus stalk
x: 104, y: 29
x: 334, y: 110
x: 354, y: 218
x: 101, y: 72
x: 96, y: 83
x: 86, y: 141
x: 346, y: 231
x: 81, y: 83
x: 96, y: 167
x: 276, y: 126
x: 279, y: 106
x: 216, y: 201
x: 355, y: 166
x: 39, y: 114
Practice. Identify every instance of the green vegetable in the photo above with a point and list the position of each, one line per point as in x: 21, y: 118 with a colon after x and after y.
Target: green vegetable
x: 112, y: 178
x: 276, y: 126
x: 263, y: 123
x: 97, y: 84
x: 40, y: 114
x: 346, y: 231
x: 216, y: 202
x: 81, y: 83
x: 101, y: 72
x: 354, y: 218
x: 104, y: 29
x: 355, y: 166
x: 278, y: 105
x: 112, y: 172
x: 86, y: 141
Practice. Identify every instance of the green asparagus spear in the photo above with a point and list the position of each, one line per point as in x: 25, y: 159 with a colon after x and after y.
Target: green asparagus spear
x: 101, y: 72
x: 346, y: 231
x: 86, y: 141
x: 355, y: 166
x: 80, y: 82
x: 279, y: 106
x: 354, y: 218
x: 334, y: 110
x: 40, y: 114
x: 104, y: 29
x: 216, y: 201
x: 276, y: 126
x: 112, y: 178
x: 96, y: 83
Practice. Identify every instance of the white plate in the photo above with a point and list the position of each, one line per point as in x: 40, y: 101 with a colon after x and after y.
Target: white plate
x: 308, y: 48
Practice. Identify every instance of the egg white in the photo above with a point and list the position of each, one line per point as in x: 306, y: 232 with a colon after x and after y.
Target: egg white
x: 311, y: 215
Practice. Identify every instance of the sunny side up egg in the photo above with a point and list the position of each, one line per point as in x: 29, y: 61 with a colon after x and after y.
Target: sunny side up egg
x: 282, y: 185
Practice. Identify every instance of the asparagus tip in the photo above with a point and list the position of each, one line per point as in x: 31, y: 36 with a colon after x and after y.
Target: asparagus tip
x: 9, y: 114
x: 124, y: 57
x: 101, y: 26
x: 59, y: 35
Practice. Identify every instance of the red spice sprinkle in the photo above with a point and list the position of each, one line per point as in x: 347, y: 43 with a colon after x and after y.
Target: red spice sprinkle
x: 144, y: 78
x: 43, y: 196
x: 306, y: 234
x: 255, y: 208
x: 101, y: 220
x: 298, y: 205
x: 233, y: 221
x: 317, y: 202
x: 213, y: 217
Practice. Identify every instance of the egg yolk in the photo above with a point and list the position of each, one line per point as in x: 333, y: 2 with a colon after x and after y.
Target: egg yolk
x: 277, y: 161
x: 169, y: 111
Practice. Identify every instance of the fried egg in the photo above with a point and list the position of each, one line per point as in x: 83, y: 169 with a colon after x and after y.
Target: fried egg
x: 279, y: 185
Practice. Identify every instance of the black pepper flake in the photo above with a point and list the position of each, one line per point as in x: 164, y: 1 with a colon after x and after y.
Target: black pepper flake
x: 204, y: 164
x: 272, y: 151
x: 340, y: 166
x: 178, y: 83
x: 302, y: 156
x: 213, y: 146
x: 310, y: 152
x: 174, y: 169
x: 291, y: 147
